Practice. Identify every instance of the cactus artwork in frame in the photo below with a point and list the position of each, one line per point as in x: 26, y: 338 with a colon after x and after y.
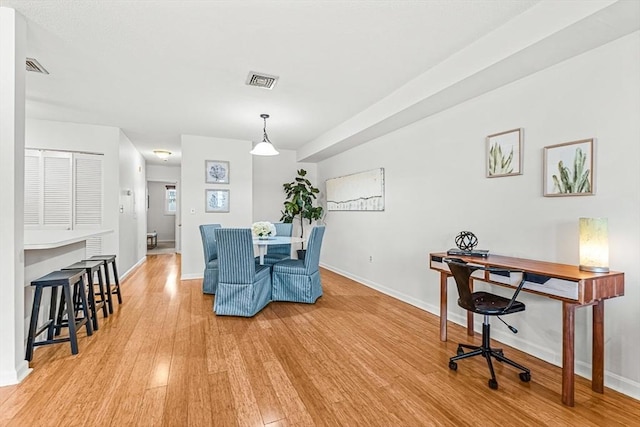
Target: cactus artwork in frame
x: 504, y: 153
x: 568, y: 169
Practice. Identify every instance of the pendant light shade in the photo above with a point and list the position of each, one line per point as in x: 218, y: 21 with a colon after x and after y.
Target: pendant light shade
x: 264, y: 148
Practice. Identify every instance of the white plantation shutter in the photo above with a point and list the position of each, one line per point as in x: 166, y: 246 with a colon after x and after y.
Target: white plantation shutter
x: 63, y: 190
x: 94, y: 246
x: 87, y: 206
x: 32, y: 189
x: 57, y: 189
x: 88, y: 191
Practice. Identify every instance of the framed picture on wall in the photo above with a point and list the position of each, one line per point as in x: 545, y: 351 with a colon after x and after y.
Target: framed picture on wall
x: 504, y: 153
x: 216, y: 200
x: 568, y: 169
x: 216, y: 172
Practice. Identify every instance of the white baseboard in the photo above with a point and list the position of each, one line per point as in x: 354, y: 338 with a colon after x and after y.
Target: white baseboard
x: 614, y: 381
x: 192, y: 276
x: 10, y: 377
x: 134, y: 267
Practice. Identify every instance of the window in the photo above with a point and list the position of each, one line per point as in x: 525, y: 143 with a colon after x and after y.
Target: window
x: 170, y: 202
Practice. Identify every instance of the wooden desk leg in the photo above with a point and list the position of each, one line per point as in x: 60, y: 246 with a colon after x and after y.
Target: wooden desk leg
x: 470, y: 313
x: 597, y: 369
x: 568, y: 339
x: 443, y: 306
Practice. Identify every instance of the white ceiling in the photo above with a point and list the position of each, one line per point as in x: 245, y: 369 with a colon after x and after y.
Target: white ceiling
x: 159, y: 69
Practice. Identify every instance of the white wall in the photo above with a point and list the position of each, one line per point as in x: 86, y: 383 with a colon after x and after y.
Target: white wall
x: 133, y: 219
x: 436, y: 187
x: 157, y: 220
x: 195, y: 151
x: 13, y: 40
x: 269, y: 173
x: 163, y: 173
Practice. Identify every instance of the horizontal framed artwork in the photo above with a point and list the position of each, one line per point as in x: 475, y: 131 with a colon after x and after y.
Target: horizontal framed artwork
x: 363, y: 191
x: 568, y: 169
x: 504, y: 153
x: 216, y: 172
x: 216, y: 200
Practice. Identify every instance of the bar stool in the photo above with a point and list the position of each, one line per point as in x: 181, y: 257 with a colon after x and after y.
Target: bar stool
x: 90, y: 267
x: 110, y: 259
x: 65, y: 279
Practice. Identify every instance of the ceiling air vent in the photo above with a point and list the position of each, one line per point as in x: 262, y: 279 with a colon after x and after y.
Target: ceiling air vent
x: 34, y: 65
x: 262, y: 80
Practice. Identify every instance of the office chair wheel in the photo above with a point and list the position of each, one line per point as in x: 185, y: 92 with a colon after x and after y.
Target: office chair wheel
x: 493, y: 384
x: 459, y: 351
x: 453, y: 366
x: 525, y: 377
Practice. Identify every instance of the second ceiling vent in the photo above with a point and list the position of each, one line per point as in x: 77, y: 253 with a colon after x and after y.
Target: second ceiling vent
x: 262, y: 80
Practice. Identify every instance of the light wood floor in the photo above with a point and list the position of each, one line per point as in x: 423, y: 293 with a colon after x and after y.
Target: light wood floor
x: 355, y: 358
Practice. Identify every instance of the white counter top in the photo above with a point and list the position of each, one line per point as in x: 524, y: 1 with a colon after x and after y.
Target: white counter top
x: 48, y: 239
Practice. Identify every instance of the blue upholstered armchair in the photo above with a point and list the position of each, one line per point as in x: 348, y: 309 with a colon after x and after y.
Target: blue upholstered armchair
x: 210, y: 281
x: 277, y: 253
x: 299, y: 280
x: 244, y: 288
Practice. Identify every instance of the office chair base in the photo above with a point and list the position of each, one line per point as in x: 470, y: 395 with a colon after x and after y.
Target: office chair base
x: 487, y: 352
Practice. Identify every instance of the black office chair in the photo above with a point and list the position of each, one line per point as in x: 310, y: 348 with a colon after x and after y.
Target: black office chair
x: 486, y: 304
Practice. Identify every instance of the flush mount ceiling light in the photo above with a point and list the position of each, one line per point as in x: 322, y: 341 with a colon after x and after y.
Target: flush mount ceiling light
x: 264, y: 148
x: 162, y: 154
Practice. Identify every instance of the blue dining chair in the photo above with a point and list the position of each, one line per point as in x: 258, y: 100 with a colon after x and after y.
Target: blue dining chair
x: 276, y: 253
x: 299, y: 280
x: 210, y: 249
x: 244, y: 287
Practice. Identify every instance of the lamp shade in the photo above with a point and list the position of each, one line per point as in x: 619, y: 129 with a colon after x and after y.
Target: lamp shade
x: 594, y: 245
x: 264, y: 149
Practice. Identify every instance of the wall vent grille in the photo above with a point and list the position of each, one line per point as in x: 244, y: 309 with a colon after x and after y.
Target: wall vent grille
x: 34, y: 66
x: 262, y: 80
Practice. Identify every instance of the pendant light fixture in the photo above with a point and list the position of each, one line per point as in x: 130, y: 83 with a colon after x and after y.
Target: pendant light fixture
x: 264, y: 148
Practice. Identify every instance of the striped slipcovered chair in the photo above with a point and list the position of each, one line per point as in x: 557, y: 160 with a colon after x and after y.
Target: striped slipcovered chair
x: 299, y: 280
x: 210, y: 281
x: 277, y: 253
x: 244, y: 288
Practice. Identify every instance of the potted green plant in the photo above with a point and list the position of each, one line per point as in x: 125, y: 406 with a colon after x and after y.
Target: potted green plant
x: 301, y: 196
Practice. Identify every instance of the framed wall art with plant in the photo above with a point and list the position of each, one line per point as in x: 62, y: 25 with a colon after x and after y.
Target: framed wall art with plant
x: 568, y: 169
x: 216, y: 200
x: 504, y: 153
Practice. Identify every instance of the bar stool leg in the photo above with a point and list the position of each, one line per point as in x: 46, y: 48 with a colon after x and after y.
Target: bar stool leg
x: 85, y: 308
x: 61, y: 311
x: 73, y: 339
x: 34, y: 321
x: 106, y: 275
x: 105, y: 311
x: 52, y: 312
x: 92, y: 301
x: 115, y: 274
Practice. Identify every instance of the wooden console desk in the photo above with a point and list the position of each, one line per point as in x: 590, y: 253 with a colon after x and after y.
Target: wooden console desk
x: 563, y: 282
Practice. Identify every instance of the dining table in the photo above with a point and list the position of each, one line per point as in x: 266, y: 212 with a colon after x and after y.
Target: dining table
x: 262, y: 243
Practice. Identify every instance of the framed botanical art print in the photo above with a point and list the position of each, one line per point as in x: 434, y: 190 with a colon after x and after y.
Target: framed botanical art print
x: 216, y: 200
x: 568, y: 169
x: 504, y: 153
x: 216, y: 172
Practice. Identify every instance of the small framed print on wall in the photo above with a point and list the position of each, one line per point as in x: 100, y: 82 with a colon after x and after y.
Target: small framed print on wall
x: 568, y: 169
x: 216, y: 172
x: 216, y: 200
x: 504, y: 153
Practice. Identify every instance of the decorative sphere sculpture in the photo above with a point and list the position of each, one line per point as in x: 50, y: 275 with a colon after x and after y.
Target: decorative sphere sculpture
x: 466, y: 241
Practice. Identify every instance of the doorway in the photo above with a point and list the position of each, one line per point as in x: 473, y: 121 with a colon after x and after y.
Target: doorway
x: 161, y: 217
